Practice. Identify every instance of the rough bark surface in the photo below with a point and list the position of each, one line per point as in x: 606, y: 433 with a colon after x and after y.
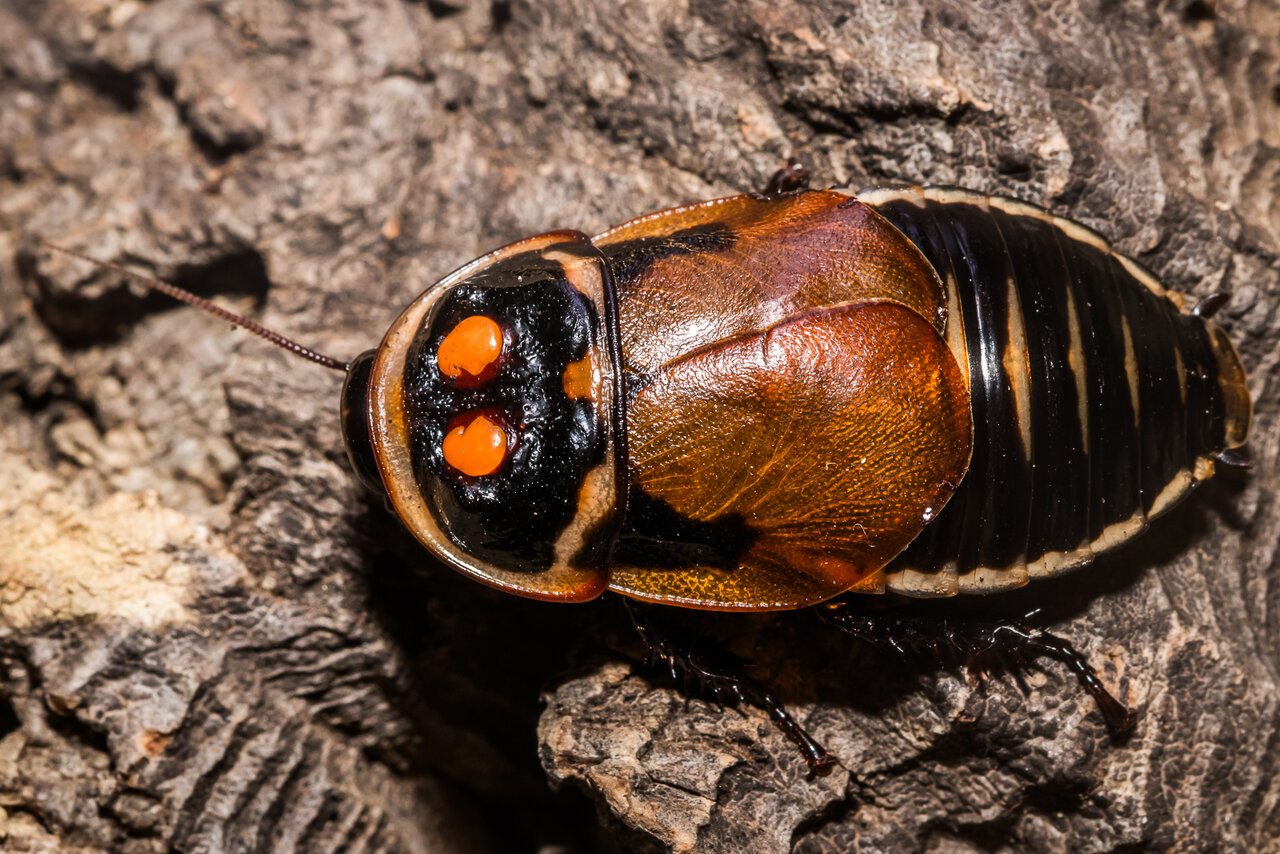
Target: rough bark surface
x: 212, y: 641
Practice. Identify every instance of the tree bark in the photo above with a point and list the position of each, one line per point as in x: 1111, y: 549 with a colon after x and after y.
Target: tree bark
x: 213, y: 641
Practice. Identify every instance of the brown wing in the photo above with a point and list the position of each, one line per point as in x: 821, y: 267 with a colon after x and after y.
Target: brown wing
x: 831, y: 439
x: 692, y: 276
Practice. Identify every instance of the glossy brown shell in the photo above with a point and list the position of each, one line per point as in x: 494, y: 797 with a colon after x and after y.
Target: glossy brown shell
x: 790, y: 375
x: 834, y: 437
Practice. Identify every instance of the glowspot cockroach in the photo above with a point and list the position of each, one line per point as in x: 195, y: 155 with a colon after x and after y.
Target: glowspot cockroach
x: 768, y: 401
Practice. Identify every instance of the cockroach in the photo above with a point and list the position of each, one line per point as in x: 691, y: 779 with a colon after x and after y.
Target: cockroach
x: 773, y: 400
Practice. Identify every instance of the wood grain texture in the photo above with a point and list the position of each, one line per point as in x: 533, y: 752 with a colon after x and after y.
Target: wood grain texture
x: 212, y: 641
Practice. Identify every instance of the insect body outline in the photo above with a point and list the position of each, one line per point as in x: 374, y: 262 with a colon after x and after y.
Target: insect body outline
x: 1200, y: 370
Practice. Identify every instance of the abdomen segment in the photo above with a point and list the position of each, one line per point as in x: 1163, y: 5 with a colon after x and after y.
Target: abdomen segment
x: 1098, y: 398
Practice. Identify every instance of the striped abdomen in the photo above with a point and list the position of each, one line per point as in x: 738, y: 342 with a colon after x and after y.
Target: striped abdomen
x: 1099, y: 399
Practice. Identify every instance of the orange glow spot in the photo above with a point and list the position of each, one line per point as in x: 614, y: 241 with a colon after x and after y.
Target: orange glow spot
x: 476, y: 448
x: 580, y: 378
x: 471, y: 348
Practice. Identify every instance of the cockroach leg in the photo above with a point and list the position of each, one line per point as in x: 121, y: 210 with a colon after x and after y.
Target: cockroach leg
x: 717, y: 674
x: 1120, y: 720
x: 793, y: 176
x: 1016, y: 637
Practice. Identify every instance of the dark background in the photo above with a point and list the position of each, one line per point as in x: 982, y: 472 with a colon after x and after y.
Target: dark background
x: 212, y: 641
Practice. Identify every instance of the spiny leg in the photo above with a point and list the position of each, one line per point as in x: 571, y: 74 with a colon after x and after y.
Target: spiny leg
x: 791, y: 177
x: 1016, y: 637
x: 719, y: 675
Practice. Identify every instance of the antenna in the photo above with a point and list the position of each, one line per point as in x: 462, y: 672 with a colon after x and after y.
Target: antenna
x: 204, y: 305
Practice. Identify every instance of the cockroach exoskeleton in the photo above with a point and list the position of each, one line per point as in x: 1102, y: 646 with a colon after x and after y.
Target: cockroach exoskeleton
x: 769, y: 401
